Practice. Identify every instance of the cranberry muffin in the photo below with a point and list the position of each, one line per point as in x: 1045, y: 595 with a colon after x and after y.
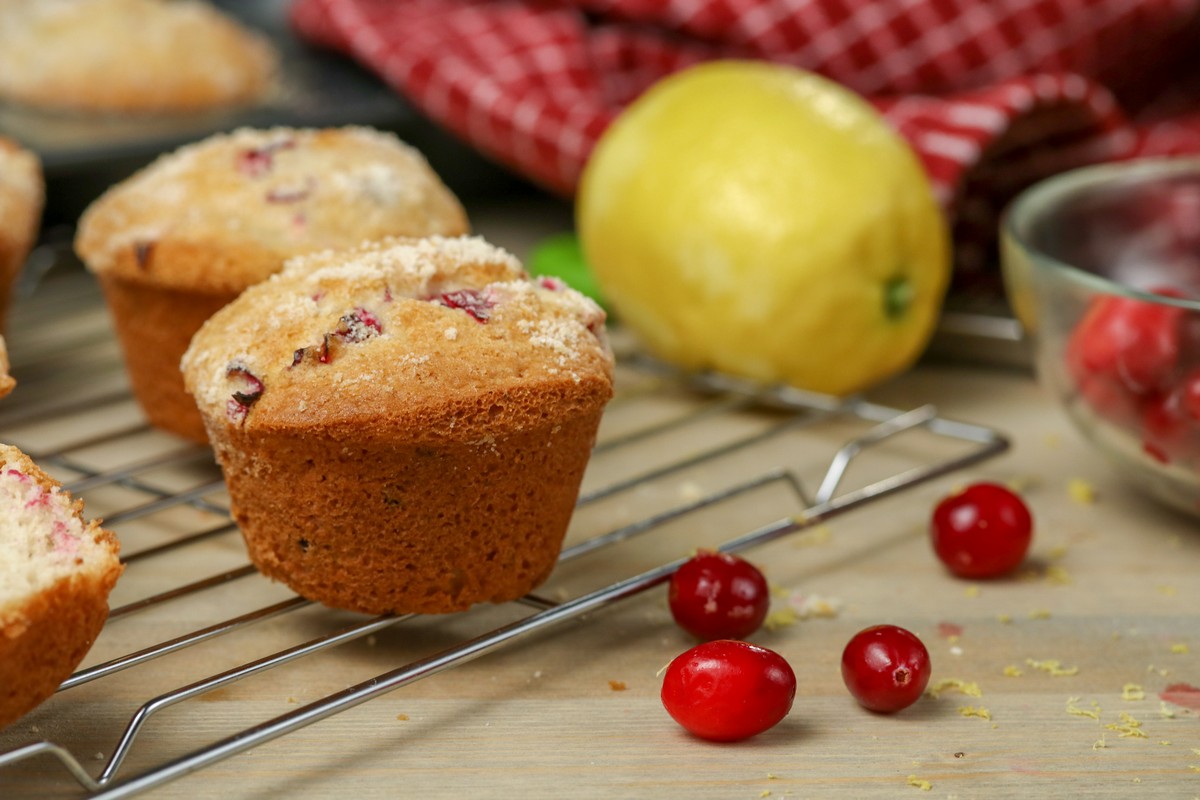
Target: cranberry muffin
x: 129, y: 56
x: 404, y: 427
x: 22, y: 195
x: 181, y: 238
x: 56, y: 572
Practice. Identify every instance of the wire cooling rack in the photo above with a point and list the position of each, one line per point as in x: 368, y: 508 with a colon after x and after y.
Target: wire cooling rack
x: 670, y: 448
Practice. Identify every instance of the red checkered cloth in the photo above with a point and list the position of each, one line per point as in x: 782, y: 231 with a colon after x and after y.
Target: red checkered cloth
x: 991, y: 94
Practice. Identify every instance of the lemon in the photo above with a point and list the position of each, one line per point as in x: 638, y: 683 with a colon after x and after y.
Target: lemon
x: 765, y: 222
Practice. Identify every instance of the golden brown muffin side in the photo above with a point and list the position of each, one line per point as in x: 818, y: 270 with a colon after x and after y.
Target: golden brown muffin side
x: 7, y: 382
x: 22, y: 196
x: 154, y: 327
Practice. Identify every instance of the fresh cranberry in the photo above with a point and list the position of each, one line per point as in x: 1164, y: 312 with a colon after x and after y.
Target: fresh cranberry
x: 1171, y: 422
x: 886, y: 668
x: 981, y: 532
x: 1110, y: 399
x: 718, y: 596
x: 1134, y: 342
x: 472, y: 301
x: 1189, y: 395
x: 728, y: 690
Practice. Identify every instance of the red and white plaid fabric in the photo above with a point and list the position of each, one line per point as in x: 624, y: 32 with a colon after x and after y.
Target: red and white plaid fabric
x: 991, y: 94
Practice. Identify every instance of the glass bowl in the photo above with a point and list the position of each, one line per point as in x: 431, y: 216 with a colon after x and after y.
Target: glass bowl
x: 1102, y: 268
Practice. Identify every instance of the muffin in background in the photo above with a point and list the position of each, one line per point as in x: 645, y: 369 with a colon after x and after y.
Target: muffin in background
x: 22, y: 195
x: 56, y: 573
x: 187, y: 234
x: 404, y: 427
x: 125, y: 56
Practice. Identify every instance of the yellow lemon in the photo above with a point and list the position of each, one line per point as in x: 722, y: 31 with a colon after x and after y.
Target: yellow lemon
x: 765, y: 222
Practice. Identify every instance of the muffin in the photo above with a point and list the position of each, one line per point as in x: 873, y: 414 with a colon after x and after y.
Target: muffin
x: 7, y: 382
x: 56, y: 572
x: 129, y: 56
x: 22, y: 194
x: 181, y: 238
x: 404, y: 427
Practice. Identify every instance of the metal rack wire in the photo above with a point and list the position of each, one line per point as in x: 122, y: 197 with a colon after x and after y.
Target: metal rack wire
x: 74, y: 415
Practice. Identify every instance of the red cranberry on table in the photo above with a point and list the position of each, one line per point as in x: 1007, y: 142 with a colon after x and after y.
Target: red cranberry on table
x: 728, y: 690
x: 886, y: 668
x: 718, y: 596
x: 983, y: 531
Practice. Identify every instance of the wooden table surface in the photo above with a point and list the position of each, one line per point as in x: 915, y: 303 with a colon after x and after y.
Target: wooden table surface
x: 1074, y: 677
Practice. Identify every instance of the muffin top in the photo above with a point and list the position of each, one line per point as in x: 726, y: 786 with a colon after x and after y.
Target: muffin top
x: 129, y: 56
x: 226, y: 212
x: 418, y: 338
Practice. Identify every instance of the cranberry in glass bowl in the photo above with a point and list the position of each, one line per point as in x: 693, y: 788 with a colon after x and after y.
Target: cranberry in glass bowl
x: 1102, y: 267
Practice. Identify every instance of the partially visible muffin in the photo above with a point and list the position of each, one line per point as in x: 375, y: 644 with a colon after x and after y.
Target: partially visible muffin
x: 129, y: 56
x: 56, y: 572
x: 184, y: 236
x: 404, y: 427
x: 7, y: 382
x: 22, y: 195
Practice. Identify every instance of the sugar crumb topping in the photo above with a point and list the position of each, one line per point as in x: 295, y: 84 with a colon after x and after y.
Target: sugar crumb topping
x: 315, y: 313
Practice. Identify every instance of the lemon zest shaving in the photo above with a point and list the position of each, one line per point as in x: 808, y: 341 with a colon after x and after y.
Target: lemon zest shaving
x: 820, y: 534
x: 1133, y: 691
x: 1099, y: 744
x: 1058, y: 575
x: 919, y: 783
x: 780, y: 618
x: 972, y: 711
x: 1039, y: 613
x: 971, y: 591
x: 1128, y: 727
x: 1013, y: 671
x: 1053, y: 667
x: 969, y: 688
x: 1004, y: 619
x: 1081, y: 491
x: 1165, y: 712
x: 1074, y: 710
x: 1180, y: 649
